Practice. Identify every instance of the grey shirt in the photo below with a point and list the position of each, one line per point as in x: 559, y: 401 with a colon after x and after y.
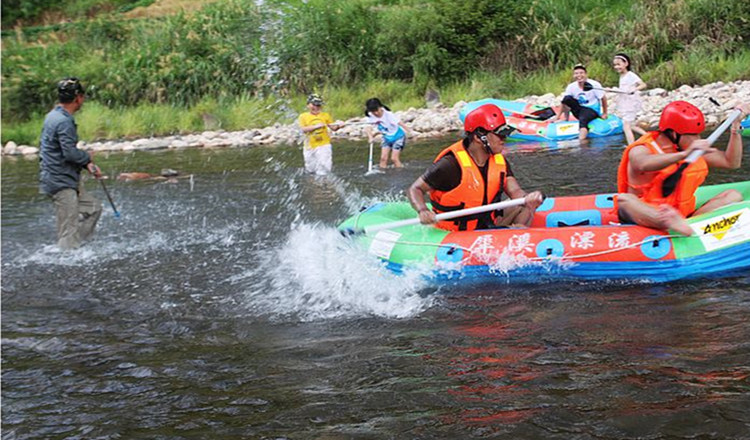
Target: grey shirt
x: 60, y: 160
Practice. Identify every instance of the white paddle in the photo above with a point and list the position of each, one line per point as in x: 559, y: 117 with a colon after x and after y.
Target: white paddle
x: 670, y: 183
x: 371, y: 171
x: 348, y: 232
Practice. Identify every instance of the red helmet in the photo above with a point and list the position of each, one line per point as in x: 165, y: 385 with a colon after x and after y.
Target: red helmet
x: 487, y: 116
x: 682, y: 117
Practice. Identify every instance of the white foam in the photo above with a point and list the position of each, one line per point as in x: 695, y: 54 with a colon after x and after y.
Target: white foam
x: 318, y: 274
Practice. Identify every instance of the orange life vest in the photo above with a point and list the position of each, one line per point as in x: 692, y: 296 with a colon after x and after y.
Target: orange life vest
x: 473, y: 191
x: 682, y: 198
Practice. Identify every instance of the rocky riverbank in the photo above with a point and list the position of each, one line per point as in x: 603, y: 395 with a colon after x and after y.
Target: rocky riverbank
x: 435, y: 120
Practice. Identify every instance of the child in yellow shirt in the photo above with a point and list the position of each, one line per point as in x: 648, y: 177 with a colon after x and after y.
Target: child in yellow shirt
x: 317, y: 150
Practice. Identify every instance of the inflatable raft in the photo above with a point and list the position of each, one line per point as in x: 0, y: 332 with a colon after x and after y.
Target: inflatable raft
x: 571, y: 238
x: 544, y: 130
x: 746, y: 126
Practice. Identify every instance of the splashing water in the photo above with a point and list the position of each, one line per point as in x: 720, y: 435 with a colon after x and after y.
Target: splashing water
x: 317, y: 274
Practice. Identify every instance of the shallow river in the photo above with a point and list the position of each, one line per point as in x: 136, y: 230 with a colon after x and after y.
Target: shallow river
x: 227, y: 306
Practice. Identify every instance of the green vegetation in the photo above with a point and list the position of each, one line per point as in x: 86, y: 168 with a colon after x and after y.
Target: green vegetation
x: 236, y: 65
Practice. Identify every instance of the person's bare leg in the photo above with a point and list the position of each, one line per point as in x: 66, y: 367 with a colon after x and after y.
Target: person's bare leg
x: 722, y: 199
x: 396, y: 158
x: 583, y: 133
x: 626, y: 128
x: 384, y: 157
x: 638, y: 129
x: 639, y: 212
x: 672, y: 219
x: 518, y: 216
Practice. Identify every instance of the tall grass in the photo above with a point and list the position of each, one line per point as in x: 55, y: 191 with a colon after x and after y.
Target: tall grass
x: 234, y: 64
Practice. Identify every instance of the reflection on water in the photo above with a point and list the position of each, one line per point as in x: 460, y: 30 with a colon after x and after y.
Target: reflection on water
x: 230, y: 307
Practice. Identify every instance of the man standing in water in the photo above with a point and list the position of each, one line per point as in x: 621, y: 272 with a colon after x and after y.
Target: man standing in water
x: 471, y: 173
x: 585, y: 105
x: 61, y: 163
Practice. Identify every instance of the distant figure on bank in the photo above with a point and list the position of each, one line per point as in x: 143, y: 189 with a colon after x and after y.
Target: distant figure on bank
x: 390, y: 127
x: 473, y: 172
x: 317, y: 151
x: 658, y: 154
x: 585, y: 105
x: 61, y: 162
x: 628, y: 106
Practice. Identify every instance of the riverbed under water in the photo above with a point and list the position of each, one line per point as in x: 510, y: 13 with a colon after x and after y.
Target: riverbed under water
x: 227, y: 306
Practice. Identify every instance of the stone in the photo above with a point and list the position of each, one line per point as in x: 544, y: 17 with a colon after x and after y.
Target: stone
x: 10, y: 148
x: 27, y: 150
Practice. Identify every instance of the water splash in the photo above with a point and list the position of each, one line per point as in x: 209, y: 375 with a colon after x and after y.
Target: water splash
x: 317, y: 274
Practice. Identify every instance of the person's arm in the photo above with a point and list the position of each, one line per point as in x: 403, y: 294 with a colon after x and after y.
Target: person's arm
x: 564, y: 113
x: 371, y: 133
x: 642, y: 161
x: 730, y: 158
x: 308, y: 128
x: 68, y: 138
x: 407, y: 130
x: 415, y: 194
x: 332, y: 125
x: 514, y: 191
x: 604, y: 107
x: 564, y: 109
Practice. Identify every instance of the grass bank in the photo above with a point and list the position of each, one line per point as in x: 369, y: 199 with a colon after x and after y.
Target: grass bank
x: 234, y: 64
x: 97, y: 121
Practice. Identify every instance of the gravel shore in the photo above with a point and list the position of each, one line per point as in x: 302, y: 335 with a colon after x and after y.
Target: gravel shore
x: 435, y: 120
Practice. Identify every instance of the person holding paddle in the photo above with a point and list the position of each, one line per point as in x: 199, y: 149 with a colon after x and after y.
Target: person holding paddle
x: 390, y: 127
x: 61, y: 163
x: 659, y: 173
x: 585, y: 98
x: 317, y: 151
x: 472, y: 173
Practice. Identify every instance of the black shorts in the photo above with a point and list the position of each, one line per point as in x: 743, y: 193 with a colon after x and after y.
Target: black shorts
x: 584, y: 114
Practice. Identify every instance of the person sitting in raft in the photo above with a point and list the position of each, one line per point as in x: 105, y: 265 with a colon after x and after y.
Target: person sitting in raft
x: 473, y: 172
x: 585, y: 105
x: 647, y: 162
x: 390, y: 126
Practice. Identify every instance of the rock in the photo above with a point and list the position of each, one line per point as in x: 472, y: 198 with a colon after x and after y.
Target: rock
x: 179, y: 144
x: 657, y: 92
x: 27, y: 150
x: 10, y: 148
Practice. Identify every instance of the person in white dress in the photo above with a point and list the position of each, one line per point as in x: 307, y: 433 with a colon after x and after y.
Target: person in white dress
x: 628, y: 105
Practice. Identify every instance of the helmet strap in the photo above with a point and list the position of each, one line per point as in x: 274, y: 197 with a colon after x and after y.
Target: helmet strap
x: 482, y: 136
x: 674, y: 137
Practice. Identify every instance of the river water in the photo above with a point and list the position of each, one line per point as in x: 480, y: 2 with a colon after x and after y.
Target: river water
x: 227, y: 306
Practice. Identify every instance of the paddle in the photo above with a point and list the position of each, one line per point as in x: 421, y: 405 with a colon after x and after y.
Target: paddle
x: 104, y: 187
x: 371, y: 171
x: 670, y: 183
x: 587, y: 86
x: 541, y: 114
x: 349, y: 232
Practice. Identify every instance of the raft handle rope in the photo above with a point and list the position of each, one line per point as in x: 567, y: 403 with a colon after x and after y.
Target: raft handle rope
x: 454, y: 248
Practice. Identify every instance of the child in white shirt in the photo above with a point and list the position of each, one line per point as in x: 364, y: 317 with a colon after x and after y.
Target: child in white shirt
x: 628, y: 106
x: 390, y: 127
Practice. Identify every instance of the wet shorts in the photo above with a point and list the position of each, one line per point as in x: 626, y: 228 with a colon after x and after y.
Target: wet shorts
x: 397, y: 145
